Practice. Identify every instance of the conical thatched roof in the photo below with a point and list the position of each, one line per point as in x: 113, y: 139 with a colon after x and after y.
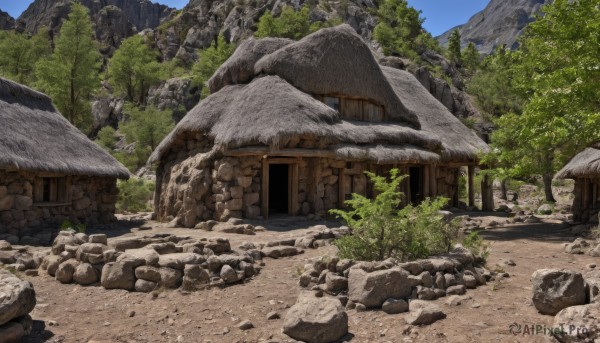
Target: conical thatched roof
x: 335, y: 61
x: 264, y: 97
x: 459, y: 142
x: 269, y: 111
x: 586, y: 164
x: 34, y: 136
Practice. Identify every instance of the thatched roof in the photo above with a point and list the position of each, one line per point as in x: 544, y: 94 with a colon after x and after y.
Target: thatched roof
x: 459, y: 142
x: 34, y: 136
x: 269, y: 111
x: 265, y: 97
x: 239, y: 68
x: 335, y: 61
x: 586, y: 164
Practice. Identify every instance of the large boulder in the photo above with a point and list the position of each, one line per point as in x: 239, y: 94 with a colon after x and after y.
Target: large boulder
x: 17, y: 297
x: 579, y: 323
x: 16, y: 329
x: 556, y: 289
x: 372, y: 289
x: 316, y: 320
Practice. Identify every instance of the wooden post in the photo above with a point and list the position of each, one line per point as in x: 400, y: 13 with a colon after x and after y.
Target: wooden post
x: 471, y: 172
x: 595, y: 194
x: 341, y: 187
x: 426, y: 181
x: 455, y: 197
x: 487, y: 195
x: 293, y: 188
x: 264, y: 189
x: 433, y: 175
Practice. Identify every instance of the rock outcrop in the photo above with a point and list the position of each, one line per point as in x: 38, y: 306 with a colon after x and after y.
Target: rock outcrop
x: 17, y: 299
x: 114, y: 20
x: 6, y: 21
x: 501, y: 22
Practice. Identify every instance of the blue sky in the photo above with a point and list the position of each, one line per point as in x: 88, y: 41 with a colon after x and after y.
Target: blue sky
x: 440, y: 15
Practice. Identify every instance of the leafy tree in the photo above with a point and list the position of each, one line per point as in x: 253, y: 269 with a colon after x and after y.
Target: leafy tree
x: 134, y: 195
x: 70, y: 75
x: 558, y: 74
x: 209, y: 60
x: 133, y: 69
x: 291, y: 24
x: 471, y: 59
x: 381, y: 229
x: 454, y: 53
x: 146, y: 128
x: 106, y: 138
x: 20, y: 53
x: 493, y: 84
x: 400, y: 30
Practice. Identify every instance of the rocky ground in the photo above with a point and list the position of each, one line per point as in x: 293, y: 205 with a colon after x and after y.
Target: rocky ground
x: 72, y: 313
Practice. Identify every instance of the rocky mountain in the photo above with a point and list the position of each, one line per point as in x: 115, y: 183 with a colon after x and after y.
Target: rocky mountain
x: 114, y: 19
x: 6, y: 21
x: 501, y: 22
x: 201, y: 21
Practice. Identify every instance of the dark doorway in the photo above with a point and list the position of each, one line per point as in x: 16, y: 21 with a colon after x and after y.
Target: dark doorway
x: 416, y: 184
x: 278, y: 188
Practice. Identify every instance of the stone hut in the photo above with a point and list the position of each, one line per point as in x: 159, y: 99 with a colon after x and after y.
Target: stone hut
x: 49, y: 170
x: 584, y: 168
x: 291, y: 127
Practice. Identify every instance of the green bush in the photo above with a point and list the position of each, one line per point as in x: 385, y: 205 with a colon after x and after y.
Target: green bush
x: 381, y: 229
x: 134, y: 195
x: 476, y: 245
x: 67, y: 225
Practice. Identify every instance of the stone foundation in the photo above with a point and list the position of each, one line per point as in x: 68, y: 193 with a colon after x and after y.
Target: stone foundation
x: 91, y: 201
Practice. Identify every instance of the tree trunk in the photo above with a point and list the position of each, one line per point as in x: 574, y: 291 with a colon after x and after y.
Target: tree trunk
x: 547, y: 179
x: 503, y: 189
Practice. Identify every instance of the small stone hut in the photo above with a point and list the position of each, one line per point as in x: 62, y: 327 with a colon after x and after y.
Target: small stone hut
x: 584, y: 168
x: 292, y: 126
x: 49, y: 170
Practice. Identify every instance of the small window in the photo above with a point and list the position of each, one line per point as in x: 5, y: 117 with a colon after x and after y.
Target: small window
x: 333, y: 102
x: 52, y: 190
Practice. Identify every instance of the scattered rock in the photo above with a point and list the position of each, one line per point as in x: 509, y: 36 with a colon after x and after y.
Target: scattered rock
x: 316, y: 320
x: 372, y: 289
x: 423, y: 313
x: 580, y: 322
x: 394, y: 306
x: 556, y: 289
x: 245, y: 325
x: 273, y: 315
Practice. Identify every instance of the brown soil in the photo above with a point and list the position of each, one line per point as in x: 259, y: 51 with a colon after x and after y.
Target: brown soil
x: 71, y: 313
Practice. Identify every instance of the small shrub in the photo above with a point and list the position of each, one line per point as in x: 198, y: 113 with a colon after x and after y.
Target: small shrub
x: 134, y: 195
x: 476, y: 245
x: 67, y: 225
x: 381, y: 229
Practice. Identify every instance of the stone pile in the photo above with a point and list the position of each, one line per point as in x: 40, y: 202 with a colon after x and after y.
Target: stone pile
x: 17, y: 299
x: 389, y: 285
x: 19, y: 258
x: 583, y: 246
x: 146, y: 263
x: 572, y: 299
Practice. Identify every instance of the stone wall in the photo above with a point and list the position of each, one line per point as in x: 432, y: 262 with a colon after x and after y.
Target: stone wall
x: 92, y: 202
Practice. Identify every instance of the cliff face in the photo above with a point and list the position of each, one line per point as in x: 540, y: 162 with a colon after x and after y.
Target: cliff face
x: 6, y: 21
x: 114, y: 19
x: 501, y: 22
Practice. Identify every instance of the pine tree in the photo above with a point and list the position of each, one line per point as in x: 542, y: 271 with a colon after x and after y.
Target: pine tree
x: 20, y: 53
x: 453, y: 52
x: 133, y: 69
x: 209, y: 60
x: 471, y: 58
x: 71, y: 74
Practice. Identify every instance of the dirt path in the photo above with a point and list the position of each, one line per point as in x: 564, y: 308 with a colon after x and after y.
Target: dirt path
x: 70, y: 313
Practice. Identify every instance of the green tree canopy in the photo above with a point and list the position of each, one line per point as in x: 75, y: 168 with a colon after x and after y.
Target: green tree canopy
x: 209, y: 60
x: 471, y: 59
x: 400, y: 30
x: 558, y: 74
x: 454, y: 53
x: 291, y: 24
x: 133, y: 69
x: 20, y: 53
x: 71, y: 74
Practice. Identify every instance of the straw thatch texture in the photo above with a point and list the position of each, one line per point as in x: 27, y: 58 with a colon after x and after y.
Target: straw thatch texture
x: 239, y: 68
x: 33, y: 136
x: 270, y: 111
x: 335, y: 61
x: 460, y: 143
x: 585, y: 164
x: 386, y: 154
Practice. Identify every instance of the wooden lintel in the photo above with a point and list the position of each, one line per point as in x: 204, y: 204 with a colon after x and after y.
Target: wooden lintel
x: 264, y: 190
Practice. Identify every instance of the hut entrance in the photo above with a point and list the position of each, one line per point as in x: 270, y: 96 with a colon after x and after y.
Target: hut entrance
x: 416, y: 184
x: 278, y: 188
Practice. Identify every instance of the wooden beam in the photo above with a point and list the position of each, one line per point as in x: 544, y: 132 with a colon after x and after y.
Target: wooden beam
x: 455, y: 198
x: 293, y: 189
x: 279, y: 160
x: 433, y: 175
x: 426, y: 171
x: 264, y: 190
x: 341, y: 187
x: 470, y: 177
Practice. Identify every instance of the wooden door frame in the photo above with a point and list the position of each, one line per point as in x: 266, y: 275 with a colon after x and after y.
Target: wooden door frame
x: 293, y: 175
